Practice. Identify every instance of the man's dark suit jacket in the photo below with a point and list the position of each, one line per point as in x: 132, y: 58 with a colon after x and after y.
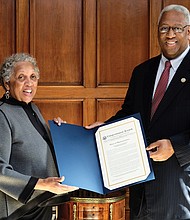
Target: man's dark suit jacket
x: 168, y: 196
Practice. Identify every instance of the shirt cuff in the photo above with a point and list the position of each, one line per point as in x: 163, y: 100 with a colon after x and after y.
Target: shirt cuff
x: 28, y: 190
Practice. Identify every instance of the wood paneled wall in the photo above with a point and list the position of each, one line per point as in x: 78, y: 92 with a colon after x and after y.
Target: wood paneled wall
x: 86, y: 50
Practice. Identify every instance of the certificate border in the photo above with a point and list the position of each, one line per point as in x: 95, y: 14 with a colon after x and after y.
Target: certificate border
x: 136, y: 123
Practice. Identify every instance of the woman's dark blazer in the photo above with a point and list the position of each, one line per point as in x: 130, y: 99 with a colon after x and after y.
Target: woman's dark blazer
x: 168, y: 196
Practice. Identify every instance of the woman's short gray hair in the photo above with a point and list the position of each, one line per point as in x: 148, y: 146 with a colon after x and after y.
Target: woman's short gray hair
x: 179, y: 8
x: 7, y: 67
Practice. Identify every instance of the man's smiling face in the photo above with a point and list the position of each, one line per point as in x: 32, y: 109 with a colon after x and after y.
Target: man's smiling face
x: 173, y: 44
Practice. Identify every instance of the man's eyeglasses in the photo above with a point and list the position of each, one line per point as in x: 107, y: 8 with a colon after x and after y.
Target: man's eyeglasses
x: 166, y: 29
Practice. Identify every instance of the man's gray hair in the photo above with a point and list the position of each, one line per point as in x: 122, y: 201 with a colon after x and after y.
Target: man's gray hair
x: 179, y: 8
x: 7, y: 67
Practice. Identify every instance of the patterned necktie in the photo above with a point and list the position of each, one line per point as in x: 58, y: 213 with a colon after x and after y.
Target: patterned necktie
x: 161, y: 87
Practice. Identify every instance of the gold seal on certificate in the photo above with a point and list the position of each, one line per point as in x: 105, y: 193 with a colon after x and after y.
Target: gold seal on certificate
x: 122, y: 154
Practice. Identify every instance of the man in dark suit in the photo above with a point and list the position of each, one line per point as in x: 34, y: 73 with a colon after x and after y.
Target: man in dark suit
x: 168, y: 128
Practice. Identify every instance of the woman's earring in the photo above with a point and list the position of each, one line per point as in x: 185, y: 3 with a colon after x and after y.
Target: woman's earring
x: 7, y: 94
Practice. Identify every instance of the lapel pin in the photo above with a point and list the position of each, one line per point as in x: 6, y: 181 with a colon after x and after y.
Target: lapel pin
x: 183, y: 80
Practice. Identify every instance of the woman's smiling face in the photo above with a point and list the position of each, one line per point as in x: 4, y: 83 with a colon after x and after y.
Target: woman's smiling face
x: 23, y: 82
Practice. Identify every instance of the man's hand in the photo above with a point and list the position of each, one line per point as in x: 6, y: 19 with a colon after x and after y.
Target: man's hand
x: 160, y: 150
x: 95, y: 124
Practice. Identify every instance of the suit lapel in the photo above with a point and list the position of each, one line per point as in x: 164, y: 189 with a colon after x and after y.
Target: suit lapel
x: 181, y: 77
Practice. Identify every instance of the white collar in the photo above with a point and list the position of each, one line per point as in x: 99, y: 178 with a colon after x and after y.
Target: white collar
x: 177, y: 61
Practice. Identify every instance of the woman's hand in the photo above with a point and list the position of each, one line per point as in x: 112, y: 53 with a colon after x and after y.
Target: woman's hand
x: 53, y: 184
x: 58, y: 121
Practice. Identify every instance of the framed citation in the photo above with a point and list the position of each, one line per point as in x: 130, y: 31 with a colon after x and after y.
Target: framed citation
x: 122, y: 154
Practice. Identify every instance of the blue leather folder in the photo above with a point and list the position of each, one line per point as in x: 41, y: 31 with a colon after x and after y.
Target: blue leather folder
x: 77, y: 157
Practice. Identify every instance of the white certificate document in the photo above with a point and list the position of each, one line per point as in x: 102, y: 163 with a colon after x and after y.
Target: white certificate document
x: 122, y: 154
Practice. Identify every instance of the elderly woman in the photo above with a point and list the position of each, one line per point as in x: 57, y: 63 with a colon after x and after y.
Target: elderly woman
x: 28, y: 171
